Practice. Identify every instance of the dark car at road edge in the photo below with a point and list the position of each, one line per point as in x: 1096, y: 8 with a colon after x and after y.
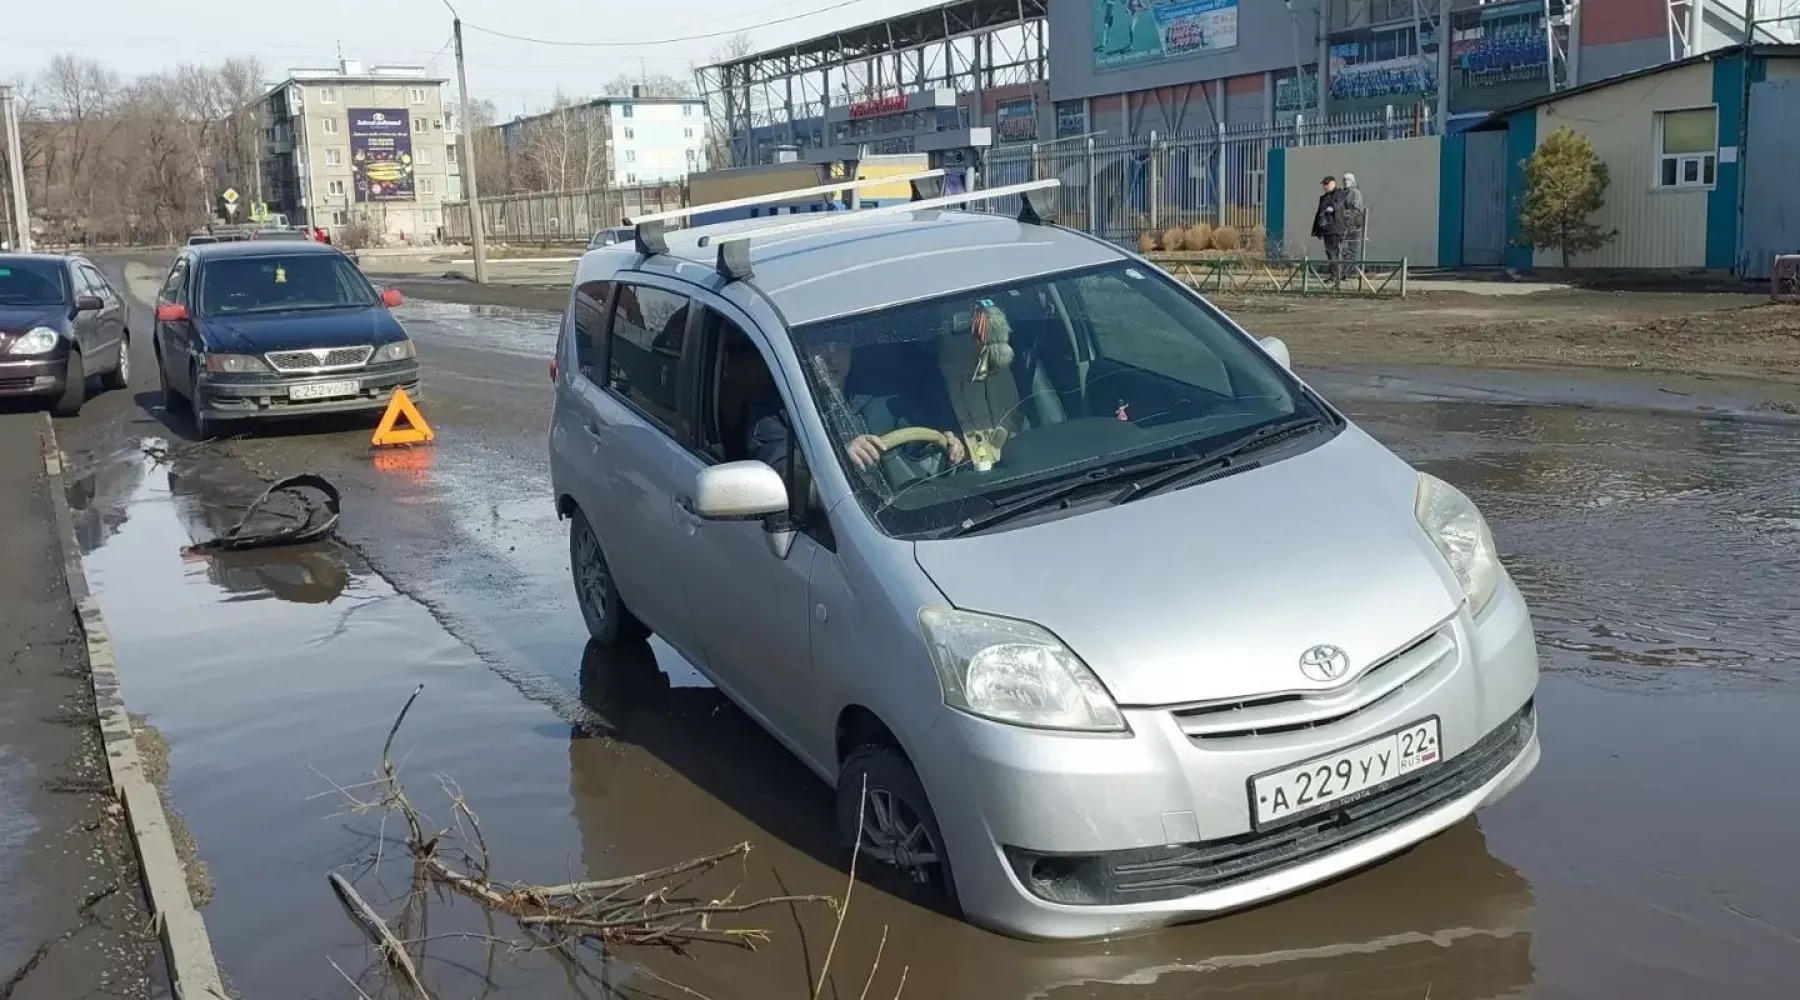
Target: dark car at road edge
x: 61, y: 323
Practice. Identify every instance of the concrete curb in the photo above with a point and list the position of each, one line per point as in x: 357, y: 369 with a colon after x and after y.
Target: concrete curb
x: 186, y: 946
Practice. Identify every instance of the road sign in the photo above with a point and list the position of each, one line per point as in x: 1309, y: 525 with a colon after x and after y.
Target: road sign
x: 230, y: 196
x: 231, y: 209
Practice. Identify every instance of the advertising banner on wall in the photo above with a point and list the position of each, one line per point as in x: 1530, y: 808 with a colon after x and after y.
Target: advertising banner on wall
x: 1296, y: 91
x: 1369, y: 69
x: 1071, y: 118
x: 1016, y: 120
x: 1135, y: 32
x: 1499, y: 55
x: 381, y: 154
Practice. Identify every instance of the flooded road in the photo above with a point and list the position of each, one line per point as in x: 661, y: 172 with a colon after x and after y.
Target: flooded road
x: 1649, y: 856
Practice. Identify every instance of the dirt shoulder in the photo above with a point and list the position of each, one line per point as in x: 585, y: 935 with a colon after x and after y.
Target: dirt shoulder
x: 75, y: 922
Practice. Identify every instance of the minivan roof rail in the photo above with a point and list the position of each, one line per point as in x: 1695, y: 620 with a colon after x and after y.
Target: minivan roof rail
x: 649, y: 228
x: 734, y: 248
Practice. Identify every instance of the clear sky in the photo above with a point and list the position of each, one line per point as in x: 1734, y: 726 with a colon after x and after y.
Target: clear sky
x: 134, y: 36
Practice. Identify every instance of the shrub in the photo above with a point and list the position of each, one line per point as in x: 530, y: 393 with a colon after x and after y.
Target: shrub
x: 1565, y: 184
x: 1199, y: 236
x: 1174, y: 239
x: 1225, y: 238
x: 1146, y: 243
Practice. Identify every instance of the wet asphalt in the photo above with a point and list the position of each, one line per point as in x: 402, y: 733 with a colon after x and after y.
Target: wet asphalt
x: 1651, y: 855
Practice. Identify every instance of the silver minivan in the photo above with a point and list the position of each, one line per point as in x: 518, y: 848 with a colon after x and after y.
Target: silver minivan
x: 1095, y: 615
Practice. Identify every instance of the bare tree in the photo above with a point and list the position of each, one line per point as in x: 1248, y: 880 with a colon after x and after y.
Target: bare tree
x: 493, y: 167
x: 78, y: 97
x: 564, y: 149
x: 651, y: 85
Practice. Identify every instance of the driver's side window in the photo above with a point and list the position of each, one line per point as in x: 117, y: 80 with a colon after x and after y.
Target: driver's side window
x: 745, y: 417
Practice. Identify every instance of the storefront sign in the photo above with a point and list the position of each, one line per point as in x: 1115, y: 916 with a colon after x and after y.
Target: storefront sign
x: 878, y: 106
x: 1016, y: 120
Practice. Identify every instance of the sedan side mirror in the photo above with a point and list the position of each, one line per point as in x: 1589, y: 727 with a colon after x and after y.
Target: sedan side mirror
x: 739, y: 491
x: 89, y: 303
x: 171, y: 312
x: 391, y: 297
x: 1277, y: 349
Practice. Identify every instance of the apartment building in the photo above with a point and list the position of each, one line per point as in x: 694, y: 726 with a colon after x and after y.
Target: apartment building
x: 351, y: 143
x: 609, y: 142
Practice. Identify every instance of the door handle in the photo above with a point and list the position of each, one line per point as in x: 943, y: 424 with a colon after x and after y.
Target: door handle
x: 685, y: 504
x: 592, y: 428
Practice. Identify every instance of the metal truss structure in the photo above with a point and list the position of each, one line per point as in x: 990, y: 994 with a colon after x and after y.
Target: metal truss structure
x: 1732, y: 22
x: 964, y: 45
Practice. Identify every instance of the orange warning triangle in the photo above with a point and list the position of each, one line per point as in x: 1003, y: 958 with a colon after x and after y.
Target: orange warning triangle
x: 401, y: 409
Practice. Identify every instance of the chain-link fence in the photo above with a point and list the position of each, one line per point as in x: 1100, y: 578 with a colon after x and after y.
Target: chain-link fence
x: 560, y: 216
x: 1124, y: 189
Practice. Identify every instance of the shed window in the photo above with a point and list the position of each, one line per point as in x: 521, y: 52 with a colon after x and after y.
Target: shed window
x: 1687, y: 148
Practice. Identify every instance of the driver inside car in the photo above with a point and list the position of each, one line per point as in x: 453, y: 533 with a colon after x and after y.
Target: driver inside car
x: 870, y: 415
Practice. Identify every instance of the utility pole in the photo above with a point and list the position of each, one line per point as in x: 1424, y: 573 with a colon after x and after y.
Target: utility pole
x: 476, y: 236
x: 15, y: 157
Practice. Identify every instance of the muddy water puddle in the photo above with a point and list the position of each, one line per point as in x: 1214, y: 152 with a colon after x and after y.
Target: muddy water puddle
x: 1650, y: 855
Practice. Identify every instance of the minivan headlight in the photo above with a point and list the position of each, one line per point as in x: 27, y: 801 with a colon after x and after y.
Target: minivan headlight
x: 1459, y: 531
x: 1015, y: 672
x: 399, y: 350
x: 37, y: 340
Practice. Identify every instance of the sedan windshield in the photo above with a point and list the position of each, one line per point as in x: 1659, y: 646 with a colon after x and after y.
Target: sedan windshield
x: 950, y: 412
x: 230, y: 286
x: 33, y: 283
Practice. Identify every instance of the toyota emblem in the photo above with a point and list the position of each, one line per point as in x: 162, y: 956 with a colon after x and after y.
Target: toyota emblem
x: 1324, y: 663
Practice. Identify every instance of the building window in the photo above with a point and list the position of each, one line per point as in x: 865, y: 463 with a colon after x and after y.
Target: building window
x: 1687, y: 148
x: 418, y: 95
x: 631, y: 156
x: 339, y: 218
x: 450, y: 154
x: 687, y: 111
x: 418, y: 124
x: 327, y: 95
x: 687, y: 133
x: 334, y: 158
x: 425, y: 186
x: 624, y: 111
x: 335, y: 188
x: 630, y: 133
x: 330, y: 126
x: 422, y: 156
x: 631, y: 178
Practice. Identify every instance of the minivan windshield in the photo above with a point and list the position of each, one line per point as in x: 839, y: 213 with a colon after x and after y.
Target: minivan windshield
x: 277, y: 282
x: 949, y: 409
x: 33, y: 283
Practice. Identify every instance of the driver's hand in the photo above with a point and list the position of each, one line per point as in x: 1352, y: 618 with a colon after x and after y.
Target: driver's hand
x: 865, y: 451
x: 953, y: 447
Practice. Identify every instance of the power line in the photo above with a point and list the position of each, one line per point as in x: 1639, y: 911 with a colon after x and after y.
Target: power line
x: 638, y: 43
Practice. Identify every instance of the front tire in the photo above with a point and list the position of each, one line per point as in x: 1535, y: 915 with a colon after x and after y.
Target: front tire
x: 75, y: 386
x: 608, y: 620
x: 898, y: 830
x: 120, y: 376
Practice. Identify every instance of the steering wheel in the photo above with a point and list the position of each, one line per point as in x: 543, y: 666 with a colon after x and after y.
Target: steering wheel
x: 901, y: 470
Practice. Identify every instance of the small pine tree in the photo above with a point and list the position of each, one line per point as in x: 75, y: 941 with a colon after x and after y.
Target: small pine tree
x: 1565, y: 184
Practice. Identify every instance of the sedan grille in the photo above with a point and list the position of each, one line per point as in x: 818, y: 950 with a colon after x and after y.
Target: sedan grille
x: 320, y: 360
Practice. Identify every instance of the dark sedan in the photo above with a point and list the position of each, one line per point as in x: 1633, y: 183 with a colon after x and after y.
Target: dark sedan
x: 253, y: 330
x: 61, y: 323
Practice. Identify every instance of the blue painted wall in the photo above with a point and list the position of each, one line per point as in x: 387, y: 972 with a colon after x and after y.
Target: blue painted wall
x: 1450, y: 201
x: 1521, y: 142
x: 1275, y: 198
x: 1722, y: 236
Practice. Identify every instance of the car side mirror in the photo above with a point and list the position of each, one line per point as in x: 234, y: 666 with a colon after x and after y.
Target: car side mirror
x: 739, y: 491
x: 1277, y: 348
x: 89, y: 303
x: 391, y: 297
x: 171, y: 312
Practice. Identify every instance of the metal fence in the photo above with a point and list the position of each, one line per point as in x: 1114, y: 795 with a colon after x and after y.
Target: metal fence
x: 1118, y: 189
x: 560, y: 216
x: 1121, y: 189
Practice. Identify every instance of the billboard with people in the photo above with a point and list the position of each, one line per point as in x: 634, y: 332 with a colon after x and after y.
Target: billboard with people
x: 1136, y: 32
x: 381, y: 158
x: 1499, y: 55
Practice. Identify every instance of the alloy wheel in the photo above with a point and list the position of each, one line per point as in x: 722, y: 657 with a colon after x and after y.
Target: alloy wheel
x: 893, y: 834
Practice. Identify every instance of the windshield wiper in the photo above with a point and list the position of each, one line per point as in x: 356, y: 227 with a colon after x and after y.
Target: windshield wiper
x: 1222, y: 458
x: 1060, y: 492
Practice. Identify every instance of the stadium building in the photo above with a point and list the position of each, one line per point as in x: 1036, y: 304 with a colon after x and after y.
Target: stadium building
x: 1035, y: 71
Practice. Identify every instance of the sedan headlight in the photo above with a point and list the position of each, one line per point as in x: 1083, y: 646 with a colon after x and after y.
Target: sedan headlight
x: 399, y: 350
x: 1461, y: 534
x: 235, y: 364
x: 37, y: 340
x: 1015, y: 672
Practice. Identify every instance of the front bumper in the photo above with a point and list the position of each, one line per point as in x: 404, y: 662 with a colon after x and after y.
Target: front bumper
x: 228, y: 397
x: 35, y: 376
x: 1156, y: 829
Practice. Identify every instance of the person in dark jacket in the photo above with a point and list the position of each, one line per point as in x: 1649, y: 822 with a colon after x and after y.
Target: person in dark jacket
x: 1325, y: 225
x: 871, y: 416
